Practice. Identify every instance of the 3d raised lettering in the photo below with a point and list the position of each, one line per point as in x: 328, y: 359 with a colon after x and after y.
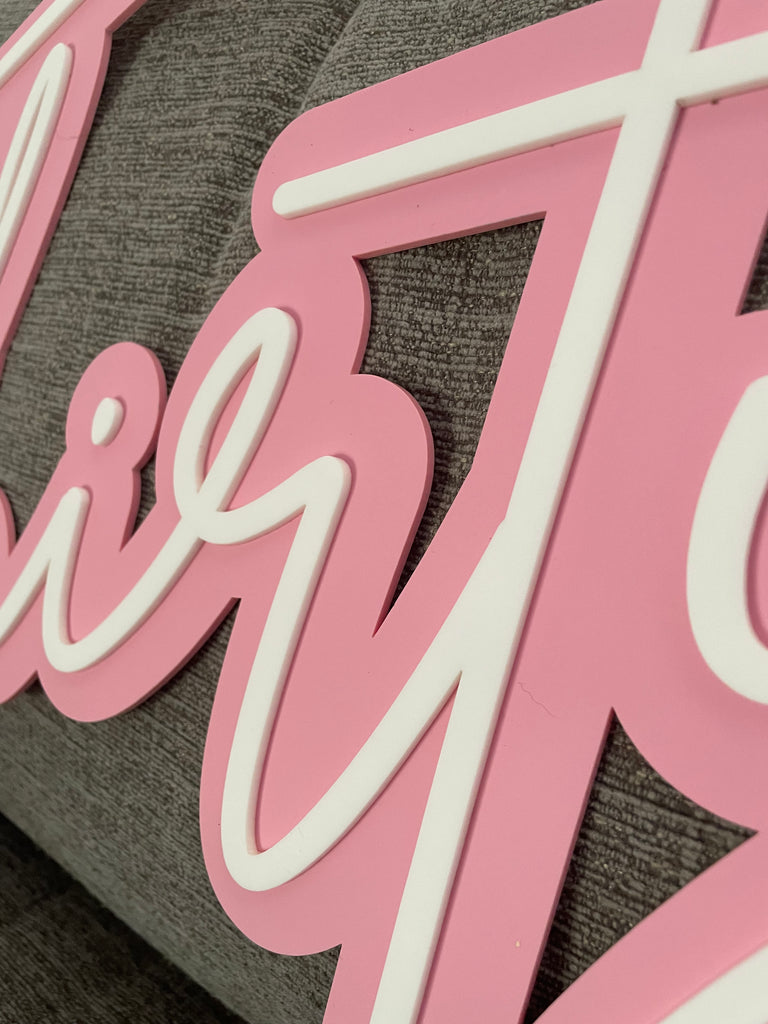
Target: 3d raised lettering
x: 354, y: 747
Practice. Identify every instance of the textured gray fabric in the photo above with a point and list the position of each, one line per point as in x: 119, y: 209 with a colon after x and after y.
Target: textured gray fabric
x: 66, y: 959
x: 640, y: 842
x: 156, y: 227
x: 440, y: 320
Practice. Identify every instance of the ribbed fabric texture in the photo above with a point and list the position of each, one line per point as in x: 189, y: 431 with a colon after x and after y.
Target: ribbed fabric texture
x: 156, y: 227
x: 66, y: 959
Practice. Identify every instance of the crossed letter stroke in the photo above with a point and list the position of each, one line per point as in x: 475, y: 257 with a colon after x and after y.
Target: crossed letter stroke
x: 473, y: 652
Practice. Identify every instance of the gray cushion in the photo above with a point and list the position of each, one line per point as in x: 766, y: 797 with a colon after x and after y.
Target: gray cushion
x: 65, y: 958
x: 156, y: 228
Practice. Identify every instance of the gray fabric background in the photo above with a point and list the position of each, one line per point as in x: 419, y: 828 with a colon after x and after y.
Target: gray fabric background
x: 155, y: 229
x: 66, y: 959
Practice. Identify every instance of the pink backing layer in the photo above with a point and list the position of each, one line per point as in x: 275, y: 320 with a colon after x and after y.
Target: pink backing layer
x: 609, y: 629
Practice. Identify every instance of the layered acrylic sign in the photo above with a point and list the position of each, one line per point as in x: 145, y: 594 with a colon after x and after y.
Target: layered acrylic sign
x: 51, y: 72
x: 409, y: 782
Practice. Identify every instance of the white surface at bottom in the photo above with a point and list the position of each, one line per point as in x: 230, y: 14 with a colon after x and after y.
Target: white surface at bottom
x: 738, y: 997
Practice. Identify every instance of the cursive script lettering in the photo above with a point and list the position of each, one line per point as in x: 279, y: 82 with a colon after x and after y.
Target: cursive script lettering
x: 232, y: 471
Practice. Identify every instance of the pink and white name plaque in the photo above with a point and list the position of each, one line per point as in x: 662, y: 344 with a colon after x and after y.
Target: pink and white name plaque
x: 408, y: 782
